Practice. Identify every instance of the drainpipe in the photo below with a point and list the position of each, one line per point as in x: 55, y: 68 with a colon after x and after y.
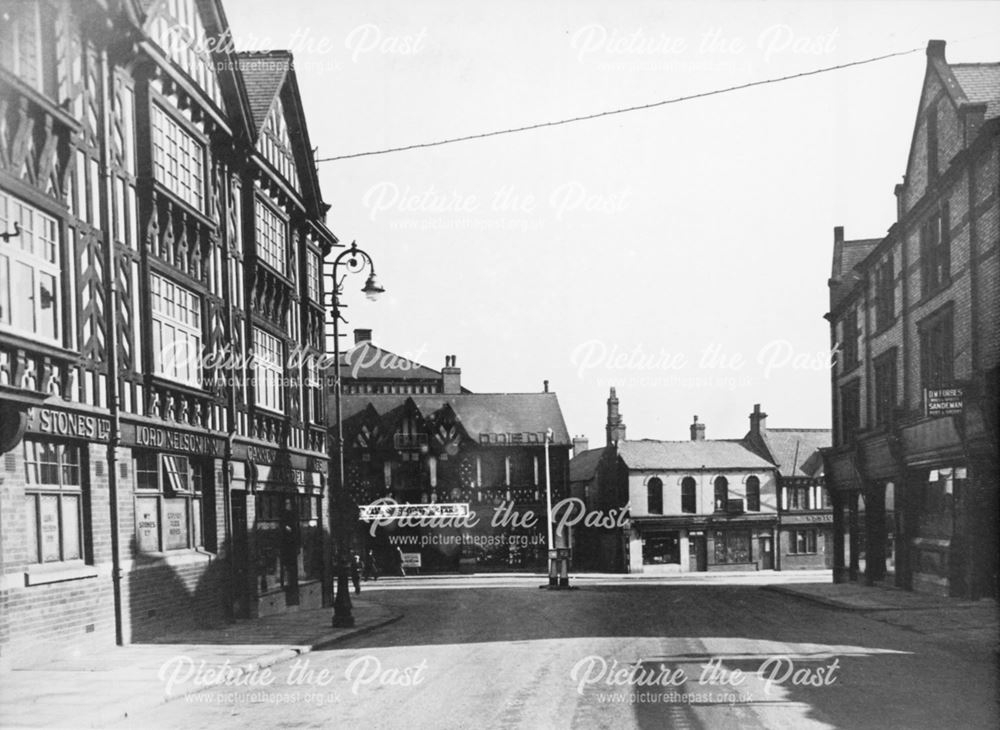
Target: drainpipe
x: 111, y: 347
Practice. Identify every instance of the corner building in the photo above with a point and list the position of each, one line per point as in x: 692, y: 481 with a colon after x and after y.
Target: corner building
x: 160, y: 218
x: 914, y: 320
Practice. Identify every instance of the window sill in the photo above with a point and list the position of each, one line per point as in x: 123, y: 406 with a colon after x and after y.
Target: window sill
x: 58, y: 573
x: 170, y: 557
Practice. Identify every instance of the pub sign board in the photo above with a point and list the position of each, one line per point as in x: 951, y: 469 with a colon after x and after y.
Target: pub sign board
x: 943, y: 401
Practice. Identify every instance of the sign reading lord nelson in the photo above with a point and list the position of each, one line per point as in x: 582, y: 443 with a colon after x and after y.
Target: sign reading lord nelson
x: 944, y: 401
x: 168, y: 439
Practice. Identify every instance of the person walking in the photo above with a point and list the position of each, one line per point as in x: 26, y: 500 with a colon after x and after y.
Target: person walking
x: 402, y: 568
x: 371, y: 566
x: 356, y: 571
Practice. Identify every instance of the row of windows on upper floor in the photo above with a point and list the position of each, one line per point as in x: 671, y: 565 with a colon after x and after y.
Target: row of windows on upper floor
x: 936, y: 353
x: 935, y: 276
x: 32, y: 289
x: 792, y: 498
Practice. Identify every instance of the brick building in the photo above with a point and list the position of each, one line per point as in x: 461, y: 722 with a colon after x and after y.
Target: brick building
x: 160, y: 217
x: 755, y: 503
x: 914, y: 319
x: 417, y: 436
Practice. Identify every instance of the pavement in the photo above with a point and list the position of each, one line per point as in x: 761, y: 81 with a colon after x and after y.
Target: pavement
x: 968, y: 627
x: 105, y: 686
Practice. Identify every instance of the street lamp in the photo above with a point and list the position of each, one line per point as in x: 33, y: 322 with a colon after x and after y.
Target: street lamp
x: 354, y: 260
x: 553, y: 579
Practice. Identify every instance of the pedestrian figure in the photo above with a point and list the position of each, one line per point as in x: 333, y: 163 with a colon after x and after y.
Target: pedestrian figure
x: 371, y: 566
x: 356, y: 571
x: 402, y: 568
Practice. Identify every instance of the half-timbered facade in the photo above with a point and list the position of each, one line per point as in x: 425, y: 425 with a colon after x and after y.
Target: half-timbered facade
x: 161, y: 237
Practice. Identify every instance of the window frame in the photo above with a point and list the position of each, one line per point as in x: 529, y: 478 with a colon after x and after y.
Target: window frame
x: 273, y: 253
x: 689, y: 495
x: 164, y: 486
x: 885, y: 385
x: 62, y: 490
x: 885, y: 294
x: 165, y: 317
x: 40, y: 252
x: 809, y: 539
x: 937, y: 330
x: 720, y: 485
x: 850, y: 427
x: 268, y: 372
x: 753, y: 493
x: 654, y: 496
x: 161, y: 109
x: 849, y: 340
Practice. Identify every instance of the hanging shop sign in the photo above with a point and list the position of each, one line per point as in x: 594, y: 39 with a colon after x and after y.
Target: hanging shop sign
x: 944, y: 401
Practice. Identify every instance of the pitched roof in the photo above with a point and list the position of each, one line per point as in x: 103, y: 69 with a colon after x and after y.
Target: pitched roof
x: 796, y: 450
x: 582, y: 467
x: 479, y: 413
x: 647, y: 454
x: 367, y: 361
x: 847, y: 255
x: 263, y: 74
x: 981, y: 84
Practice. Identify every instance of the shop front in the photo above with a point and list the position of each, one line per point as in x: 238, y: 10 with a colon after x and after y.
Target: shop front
x: 278, y: 514
x: 682, y: 545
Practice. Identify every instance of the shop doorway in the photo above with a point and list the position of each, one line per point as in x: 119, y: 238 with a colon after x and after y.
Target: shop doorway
x: 238, y: 554
x: 766, y: 553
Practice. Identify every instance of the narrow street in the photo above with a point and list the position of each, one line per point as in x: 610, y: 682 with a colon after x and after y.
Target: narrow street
x: 641, y: 655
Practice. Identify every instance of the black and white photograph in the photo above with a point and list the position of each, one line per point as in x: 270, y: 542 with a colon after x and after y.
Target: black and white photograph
x: 499, y: 364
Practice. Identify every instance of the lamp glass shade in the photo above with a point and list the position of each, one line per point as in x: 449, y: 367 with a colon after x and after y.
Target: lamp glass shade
x: 372, y: 288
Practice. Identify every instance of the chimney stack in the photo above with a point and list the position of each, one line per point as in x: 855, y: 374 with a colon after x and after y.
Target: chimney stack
x: 935, y: 49
x: 758, y: 421
x: 615, y: 428
x: 451, y: 377
x: 697, y: 430
x: 545, y: 386
x: 362, y: 336
x: 580, y: 444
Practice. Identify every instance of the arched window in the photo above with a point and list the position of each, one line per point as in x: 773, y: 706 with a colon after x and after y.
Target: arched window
x: 753, y: 494
x: 654, y: 496
x: 689, y: 504
x: 721, y: 494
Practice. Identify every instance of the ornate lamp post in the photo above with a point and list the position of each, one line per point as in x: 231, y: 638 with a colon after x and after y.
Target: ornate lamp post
x: 354, y: 260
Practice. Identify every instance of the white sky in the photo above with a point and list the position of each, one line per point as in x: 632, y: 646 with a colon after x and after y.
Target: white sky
x: 700, y: 227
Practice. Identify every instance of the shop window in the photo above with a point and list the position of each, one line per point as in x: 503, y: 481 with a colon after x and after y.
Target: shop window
x: 176, y: 330
x: 30, y: 279
x: 753, y: 494
x: 802, y: 542
x: 721, y: 494
x: 170, y: 493
x: 178, y: 159
x: 661, y: 549
x: 55, y: 502
x: 732, y: 546
x: 654, y: 496
x: 689, y: 503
